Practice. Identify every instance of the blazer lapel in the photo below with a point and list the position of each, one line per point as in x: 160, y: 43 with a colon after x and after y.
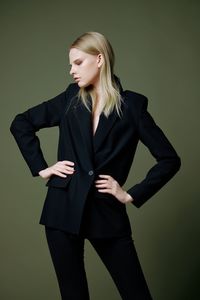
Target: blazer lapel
x: 79, y: 121
x: 84, y: 121
x: 104, y: 126
x: 81, y: 126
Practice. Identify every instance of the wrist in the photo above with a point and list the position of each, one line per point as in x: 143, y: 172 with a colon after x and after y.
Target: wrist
x: 43, y: 173
x: 129, y: 198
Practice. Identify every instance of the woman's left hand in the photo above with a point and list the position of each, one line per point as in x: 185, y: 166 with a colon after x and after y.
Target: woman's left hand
x: 109, y: 185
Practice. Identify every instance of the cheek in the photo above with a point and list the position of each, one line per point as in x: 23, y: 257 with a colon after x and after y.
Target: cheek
x: 92, y: 72
x: 89, y: 73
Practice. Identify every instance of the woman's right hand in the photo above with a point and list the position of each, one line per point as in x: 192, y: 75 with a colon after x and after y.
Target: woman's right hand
x: 61, y: 168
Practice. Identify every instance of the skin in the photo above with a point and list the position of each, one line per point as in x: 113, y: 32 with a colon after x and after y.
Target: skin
x: 85, y: 69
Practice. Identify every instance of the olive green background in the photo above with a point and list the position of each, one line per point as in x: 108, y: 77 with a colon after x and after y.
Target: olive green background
x: 157, y: 54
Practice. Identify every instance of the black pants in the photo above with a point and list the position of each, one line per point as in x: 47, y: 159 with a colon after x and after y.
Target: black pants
x: 118, y: 254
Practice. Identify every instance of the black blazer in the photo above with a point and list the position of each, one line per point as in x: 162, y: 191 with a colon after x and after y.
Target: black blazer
x: 110, y: 151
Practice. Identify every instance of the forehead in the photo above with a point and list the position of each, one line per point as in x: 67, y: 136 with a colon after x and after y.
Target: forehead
x: 75, y: 53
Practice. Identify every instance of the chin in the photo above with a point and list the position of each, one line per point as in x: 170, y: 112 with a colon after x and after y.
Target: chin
x: 82, y: 84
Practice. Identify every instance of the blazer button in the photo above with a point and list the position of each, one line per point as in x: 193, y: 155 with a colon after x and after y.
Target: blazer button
x: 90, y: 173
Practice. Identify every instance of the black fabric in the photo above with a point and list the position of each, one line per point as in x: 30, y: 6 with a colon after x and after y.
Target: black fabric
x: 110, y: 151
x: 118, y: 255
x: 98, y: 223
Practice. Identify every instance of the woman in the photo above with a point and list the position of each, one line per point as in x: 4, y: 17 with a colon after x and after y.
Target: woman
x: 100, y: 126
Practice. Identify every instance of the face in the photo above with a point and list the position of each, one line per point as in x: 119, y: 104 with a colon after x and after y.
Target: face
x: 85, y: 68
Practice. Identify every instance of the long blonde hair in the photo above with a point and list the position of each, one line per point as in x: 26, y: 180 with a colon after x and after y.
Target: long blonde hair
x: 95, y: 43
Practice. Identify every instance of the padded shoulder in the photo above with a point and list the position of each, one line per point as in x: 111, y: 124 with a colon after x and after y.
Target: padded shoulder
x: 135, y: 99
x: 136, y: 103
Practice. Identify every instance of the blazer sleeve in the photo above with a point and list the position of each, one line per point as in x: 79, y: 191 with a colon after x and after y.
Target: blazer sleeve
x: 26, y: 124
x: 168, y: 162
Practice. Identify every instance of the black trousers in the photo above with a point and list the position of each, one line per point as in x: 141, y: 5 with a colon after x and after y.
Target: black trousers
x: 118, y: 255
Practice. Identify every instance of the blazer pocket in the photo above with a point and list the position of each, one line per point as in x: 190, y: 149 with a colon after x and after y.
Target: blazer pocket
x: 57, y: 181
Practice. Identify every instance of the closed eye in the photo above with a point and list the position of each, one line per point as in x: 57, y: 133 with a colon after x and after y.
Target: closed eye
x: 77, y: 62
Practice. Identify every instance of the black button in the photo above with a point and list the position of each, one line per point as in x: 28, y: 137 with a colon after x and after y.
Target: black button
x: 90, y: 173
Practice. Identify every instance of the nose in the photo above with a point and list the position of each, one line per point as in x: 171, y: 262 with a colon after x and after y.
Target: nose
x: 71, y: 71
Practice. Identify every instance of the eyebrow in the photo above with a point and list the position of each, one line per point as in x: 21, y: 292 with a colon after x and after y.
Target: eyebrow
x: 76, y: 60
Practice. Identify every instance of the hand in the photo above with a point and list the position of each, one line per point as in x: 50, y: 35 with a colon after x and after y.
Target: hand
x: 111, y: 186
x: 61, y: 168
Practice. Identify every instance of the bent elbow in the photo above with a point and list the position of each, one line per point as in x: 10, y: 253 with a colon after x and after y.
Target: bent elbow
x: 13, y: 126
x: 17, y: 125
x: 176, y: 164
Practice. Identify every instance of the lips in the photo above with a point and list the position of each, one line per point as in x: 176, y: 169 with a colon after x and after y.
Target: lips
x: 76, y: 78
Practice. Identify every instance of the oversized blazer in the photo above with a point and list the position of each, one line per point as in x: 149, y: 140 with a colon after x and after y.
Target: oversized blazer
x: 110, y: 151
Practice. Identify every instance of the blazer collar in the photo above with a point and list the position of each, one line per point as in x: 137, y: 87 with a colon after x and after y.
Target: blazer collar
x: 83, y: 120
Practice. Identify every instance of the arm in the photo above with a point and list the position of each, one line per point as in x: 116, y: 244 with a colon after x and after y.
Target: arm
x: 26, y: 124
x: 168, y: 162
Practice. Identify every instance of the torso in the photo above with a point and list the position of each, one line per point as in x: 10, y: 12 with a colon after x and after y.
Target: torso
x: 95, y: 116
x: 95, y: 122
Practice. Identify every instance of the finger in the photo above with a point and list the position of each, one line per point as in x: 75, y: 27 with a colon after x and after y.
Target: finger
x: 102, y: 186
x: 105, y: 191
x: 59, y: 174
x: 68, y: 162
x: 63, y: 168
x: 61, y: 163
x: 104, y: 176
x: 101, y: 181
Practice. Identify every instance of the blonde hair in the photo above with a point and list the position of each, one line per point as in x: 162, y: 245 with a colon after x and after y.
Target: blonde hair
x: 95, y: 43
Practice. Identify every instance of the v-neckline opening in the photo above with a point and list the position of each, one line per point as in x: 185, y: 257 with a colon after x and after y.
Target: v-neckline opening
x: 98, y: 124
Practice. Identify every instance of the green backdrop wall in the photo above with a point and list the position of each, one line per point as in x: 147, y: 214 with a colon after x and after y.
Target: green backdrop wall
x: 157, y: 54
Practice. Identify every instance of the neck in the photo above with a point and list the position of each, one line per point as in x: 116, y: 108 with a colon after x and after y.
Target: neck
x: 98, y: 101
x: 97, y: 90
x: 97, y: 93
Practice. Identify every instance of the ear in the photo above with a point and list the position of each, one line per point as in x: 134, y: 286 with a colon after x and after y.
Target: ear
x: 100, y: 60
